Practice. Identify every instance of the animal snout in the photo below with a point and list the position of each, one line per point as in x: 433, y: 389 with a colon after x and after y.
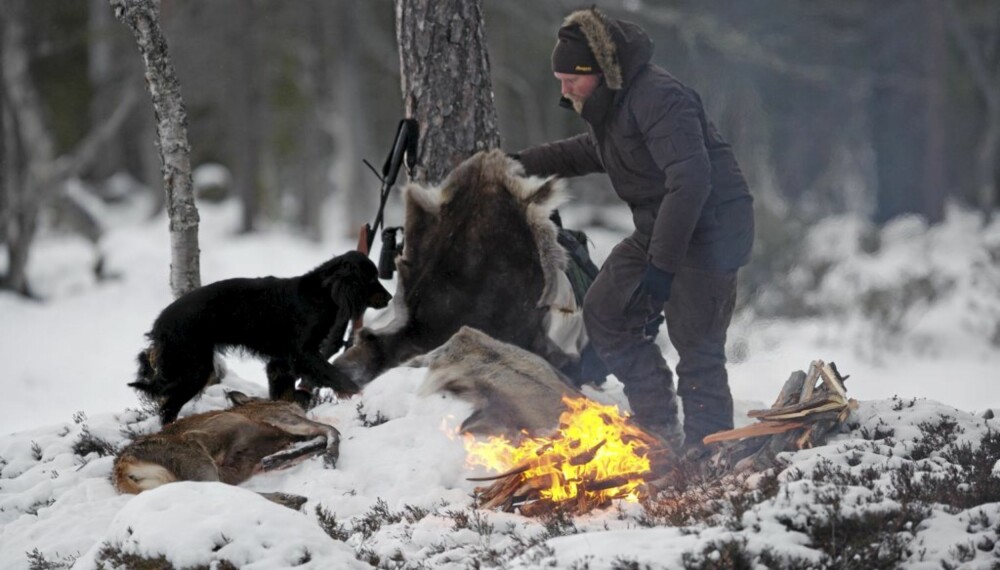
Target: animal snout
x: 379, y: 298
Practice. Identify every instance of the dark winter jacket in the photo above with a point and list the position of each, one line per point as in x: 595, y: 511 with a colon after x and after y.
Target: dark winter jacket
x: 649, y: 133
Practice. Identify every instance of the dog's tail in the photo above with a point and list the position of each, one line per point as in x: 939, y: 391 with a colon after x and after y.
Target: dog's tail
x: 145, y: 376
x: 146, y: 382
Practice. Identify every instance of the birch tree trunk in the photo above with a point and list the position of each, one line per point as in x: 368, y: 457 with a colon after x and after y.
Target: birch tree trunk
x: 446, y: 82
x: 142, y: 17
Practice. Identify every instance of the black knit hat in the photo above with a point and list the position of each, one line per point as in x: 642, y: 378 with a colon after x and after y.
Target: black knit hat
x: 572, y: 53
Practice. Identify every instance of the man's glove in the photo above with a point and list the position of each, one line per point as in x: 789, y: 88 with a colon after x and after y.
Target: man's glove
x: 655, y: 284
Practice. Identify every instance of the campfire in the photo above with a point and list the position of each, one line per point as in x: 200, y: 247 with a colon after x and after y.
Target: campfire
x: 598, y: 455
x: 595, y: 456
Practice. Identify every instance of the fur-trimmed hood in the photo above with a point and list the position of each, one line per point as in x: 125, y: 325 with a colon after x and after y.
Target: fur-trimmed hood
x: 621, y: 48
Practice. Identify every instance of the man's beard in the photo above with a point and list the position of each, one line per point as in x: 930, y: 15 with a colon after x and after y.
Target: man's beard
x: 577, y: 104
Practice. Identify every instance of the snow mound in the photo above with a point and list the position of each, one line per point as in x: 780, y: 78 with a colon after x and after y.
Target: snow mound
x: 196, y: 524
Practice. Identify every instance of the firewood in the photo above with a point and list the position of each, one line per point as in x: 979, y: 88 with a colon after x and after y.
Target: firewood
x: 610, y: 483
x: 823, y: 425
x: 752, y: 430
x: 852, y: 404
x: 833, y: 380
x: 737, y: 451
x: 810, y: 383
x: 791, y: 390
x: 503, y: 492
x: 508, y: 505
x: 818, y: 403
x: 541, y: 450
x: 515, y: 471
x: 485, y: 494
x: 587, y: 456
x: 765, y: 457
x: 536, y: 508
x: 535, y: 484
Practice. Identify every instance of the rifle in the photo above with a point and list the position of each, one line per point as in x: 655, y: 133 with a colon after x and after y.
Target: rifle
x: 405, y: 144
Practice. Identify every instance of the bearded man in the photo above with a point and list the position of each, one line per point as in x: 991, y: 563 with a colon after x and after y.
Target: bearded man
x: 693, y: 216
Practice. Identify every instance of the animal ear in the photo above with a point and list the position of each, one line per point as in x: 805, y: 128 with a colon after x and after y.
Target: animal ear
x: 423, y: 212
x: 238, y: 398
x: 547, y: 194
x: 346, y: 286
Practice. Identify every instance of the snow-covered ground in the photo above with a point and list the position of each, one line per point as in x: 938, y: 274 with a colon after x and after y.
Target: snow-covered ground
x: 64, y: 365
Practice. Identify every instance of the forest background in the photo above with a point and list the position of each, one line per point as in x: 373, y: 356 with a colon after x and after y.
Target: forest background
x: 837, y: 110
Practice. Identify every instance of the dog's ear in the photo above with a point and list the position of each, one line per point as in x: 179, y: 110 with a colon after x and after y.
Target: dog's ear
x: 345, y: 282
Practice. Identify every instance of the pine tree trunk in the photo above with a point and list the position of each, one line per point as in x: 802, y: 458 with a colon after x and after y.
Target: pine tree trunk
x: 446, y: 81
x: 142, y: 17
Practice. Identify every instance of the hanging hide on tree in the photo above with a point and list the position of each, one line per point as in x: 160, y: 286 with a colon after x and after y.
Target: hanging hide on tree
x: 479, y: 251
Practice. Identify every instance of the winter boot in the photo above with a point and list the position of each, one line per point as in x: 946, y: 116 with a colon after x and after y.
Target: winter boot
x: 666, y: 428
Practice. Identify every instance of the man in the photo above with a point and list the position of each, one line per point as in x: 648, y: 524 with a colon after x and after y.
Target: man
x: 693, y: 222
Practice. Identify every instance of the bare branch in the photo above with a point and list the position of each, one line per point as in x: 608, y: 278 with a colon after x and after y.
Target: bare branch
x: 88, y: 149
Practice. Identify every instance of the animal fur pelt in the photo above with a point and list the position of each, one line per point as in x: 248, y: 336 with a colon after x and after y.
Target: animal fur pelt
x: 479, y: 251
x: 284, y: 320
x: 512, y: 390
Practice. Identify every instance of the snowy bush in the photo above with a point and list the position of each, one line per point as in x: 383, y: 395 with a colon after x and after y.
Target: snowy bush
x: 905, y: 285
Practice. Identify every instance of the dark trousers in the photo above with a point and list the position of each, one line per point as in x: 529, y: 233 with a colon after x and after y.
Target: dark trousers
x: 698, y: 314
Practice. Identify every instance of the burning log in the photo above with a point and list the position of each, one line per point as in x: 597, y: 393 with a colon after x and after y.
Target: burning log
x: 587, y: 456
x: 612, y: 483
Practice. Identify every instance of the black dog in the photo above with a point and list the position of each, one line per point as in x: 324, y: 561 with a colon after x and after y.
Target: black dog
x: 294, y: 323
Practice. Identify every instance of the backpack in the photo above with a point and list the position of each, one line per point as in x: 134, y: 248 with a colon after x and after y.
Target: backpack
x: 580, y: 270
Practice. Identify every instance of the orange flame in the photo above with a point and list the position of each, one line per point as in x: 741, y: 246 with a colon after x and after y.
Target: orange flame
x: 596, y: 452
